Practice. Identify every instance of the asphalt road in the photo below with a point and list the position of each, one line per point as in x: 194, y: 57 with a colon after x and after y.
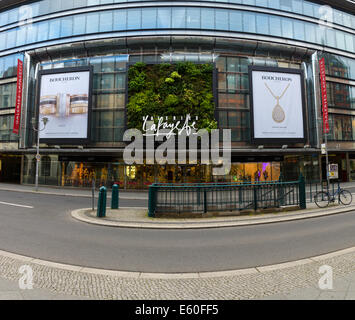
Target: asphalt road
x: 47, y: 231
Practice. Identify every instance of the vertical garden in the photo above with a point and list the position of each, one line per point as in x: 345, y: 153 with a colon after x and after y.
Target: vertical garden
x: 168, y: 90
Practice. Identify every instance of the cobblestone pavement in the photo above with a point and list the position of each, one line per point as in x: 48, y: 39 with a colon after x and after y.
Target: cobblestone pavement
x: 276, y: 282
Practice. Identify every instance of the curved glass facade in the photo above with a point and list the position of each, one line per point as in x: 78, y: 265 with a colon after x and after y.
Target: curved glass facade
x: 44, y: 7
x: 141, y: 20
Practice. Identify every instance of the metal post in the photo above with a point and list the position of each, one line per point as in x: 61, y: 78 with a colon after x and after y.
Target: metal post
x: 255, y: 198
x: 37, y: 161
x: 302, y: 192
x: 93, y: 194
x: 101, y: 204
x: 114, y: 199
x: 326, y: 159
x: 205, y: 208
x: 151, y: 202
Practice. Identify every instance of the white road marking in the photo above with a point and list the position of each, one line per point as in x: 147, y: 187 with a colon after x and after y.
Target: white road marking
x: 16, y: 205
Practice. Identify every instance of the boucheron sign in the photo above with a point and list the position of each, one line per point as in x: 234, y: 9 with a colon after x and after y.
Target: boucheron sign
x: 64, y: 99
x: 177, y: 141
x: 19, y: 88
x: 277, y: 104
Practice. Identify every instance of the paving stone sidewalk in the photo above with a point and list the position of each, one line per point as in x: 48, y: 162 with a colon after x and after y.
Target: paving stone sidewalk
x: 278, y: 282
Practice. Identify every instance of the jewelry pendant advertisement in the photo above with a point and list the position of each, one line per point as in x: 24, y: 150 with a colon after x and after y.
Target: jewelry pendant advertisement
x: 278, y: 104
x: 64, y: 101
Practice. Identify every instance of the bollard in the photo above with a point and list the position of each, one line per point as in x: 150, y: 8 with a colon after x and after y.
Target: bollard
x: 101, y: 205
x: 115, y: 197
x: 302, y: 192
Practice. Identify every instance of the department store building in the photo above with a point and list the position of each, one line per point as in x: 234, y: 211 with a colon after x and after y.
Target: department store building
x: 283, y: 39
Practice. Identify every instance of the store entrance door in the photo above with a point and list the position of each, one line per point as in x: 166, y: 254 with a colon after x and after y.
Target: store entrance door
x: 10, y: 169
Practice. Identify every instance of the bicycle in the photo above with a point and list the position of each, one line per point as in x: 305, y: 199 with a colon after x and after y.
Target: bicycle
x: 323, y: 198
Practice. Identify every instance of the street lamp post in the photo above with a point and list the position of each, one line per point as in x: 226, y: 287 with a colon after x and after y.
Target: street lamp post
x: 38, y: 130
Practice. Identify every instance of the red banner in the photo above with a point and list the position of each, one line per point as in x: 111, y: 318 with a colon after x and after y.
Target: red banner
x: 323, y: 81
x: 18, y: 97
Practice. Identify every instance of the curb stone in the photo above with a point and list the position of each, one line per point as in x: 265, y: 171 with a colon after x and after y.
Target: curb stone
x: 80, y: 214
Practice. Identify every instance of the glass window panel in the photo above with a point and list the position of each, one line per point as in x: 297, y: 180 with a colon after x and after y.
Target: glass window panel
x: 207, y: 18
x: 236, y: 21
x: 164, y: 18
x: 338, y: 17
x: 340, y: 40
x: 308, y: 9
x: 222, y: 19
x: 275, y: 26
x: 299, y: 30
x: 133, y: 19
x: 92, y: 23
x: 297, y: 6
x: 120, y: 81
x: 244, y: 82
x: 21, y: 36
x: 4, y: 18
x: 287, y: 28
x: 232, y: 64
x: 118, y: 119
x: 106, y: 135
x: 274, y: 4
x: 149, y: 18
x: 221, y: 64
x: 42, y: 31
x: 118, y: 134
x: 261, y: 3
x: 232, y: 119
x: 66, y: 27
x: 11, y: 39
x: 121, y: 62
x: 249, y: 22
x: 349, y: 42
x: 108, y: 64
x: 106, y: 119
x: 119, y: 20
x: 223, y: 122
x: 262, y: 24
x: 79, y: 23
x: 330, y: 38
x: 54, y: 29
x: 107, y: 81
x: 347, y: 20
x: 106, y: 21
x: 3, y: 40
x: 193, y: 18
x: 222, y: 82
x: 243, y: 65
x: 120, y: 101
x: 232, y: 82
x: 13, y: 15
x: 310, y: 32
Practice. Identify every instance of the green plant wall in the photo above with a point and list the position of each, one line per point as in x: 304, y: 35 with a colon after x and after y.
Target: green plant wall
x: 168, y: 90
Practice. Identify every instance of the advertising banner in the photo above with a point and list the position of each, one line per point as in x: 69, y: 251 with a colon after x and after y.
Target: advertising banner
x: 17, y: 118
x: 323, y: 81
x: 277, y: 97
x: 64, y: 99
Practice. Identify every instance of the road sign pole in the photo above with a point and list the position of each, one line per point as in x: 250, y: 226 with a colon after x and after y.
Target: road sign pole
x: 37, y: 161
x: 326, y: 159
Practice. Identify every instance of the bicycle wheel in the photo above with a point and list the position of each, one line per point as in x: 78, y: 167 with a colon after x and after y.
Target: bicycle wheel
x: 322, y: 199
x: 345, y: 197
